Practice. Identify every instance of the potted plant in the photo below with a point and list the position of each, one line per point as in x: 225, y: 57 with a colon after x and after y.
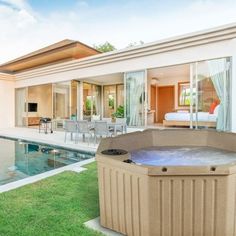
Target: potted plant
x: 119, y: 112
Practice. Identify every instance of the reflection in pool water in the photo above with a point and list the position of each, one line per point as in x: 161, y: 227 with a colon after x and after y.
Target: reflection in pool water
x: 20, y: 159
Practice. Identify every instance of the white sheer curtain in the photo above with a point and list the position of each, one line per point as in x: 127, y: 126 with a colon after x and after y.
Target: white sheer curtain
x: 219, y: 72
x: 135, y: 98
x: 97, y: 99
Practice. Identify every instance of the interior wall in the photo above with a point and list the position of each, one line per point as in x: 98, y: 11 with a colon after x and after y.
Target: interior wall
x: 167, y: 81
x: 7, y: 104
x: 174, y: 81
x: 41, y: 94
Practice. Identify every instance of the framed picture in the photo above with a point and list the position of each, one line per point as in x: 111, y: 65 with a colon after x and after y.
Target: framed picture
x: 184, y: 94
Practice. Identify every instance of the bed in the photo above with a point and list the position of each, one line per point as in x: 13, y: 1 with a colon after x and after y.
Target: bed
x: 183, y: 119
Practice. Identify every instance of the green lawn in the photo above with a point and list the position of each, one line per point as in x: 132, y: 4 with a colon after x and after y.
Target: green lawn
x: 56, y: 206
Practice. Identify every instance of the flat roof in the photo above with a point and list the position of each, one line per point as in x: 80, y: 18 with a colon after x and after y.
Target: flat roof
x: 64, y: 50
x: 216, y: 34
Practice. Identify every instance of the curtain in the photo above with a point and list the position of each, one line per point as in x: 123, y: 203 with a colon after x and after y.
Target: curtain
x: 220, y: 75
x: 97, y: 99
x: 135, y: 98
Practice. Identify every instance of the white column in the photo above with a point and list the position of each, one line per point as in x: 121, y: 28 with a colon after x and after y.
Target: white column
x: 80, y: 101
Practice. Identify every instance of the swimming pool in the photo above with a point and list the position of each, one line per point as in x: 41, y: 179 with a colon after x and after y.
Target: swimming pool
x: 20, y: 158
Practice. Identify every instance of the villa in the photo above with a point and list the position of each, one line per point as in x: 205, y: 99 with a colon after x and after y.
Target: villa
x: 187, y: 81
x: 181, y: 81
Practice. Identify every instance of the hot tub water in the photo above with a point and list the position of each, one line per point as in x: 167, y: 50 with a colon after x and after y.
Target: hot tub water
x: 183, y: 156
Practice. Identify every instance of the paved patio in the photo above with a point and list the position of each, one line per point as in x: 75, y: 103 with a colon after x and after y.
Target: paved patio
x: 56, y: 138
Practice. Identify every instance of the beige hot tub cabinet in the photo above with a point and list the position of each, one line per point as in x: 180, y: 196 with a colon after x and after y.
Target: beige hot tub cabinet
x: 167, y: 201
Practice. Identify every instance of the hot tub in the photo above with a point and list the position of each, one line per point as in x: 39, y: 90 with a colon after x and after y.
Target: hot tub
x: 168, y: 182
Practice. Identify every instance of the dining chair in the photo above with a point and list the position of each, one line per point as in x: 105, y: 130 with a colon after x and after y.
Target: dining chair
x: 106, y: 119
x: 101, y: 129
x: 121, y: 128
x: 84, y: 128
x: 70, y: 126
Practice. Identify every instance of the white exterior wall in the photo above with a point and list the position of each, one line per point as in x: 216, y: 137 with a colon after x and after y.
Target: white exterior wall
x: 186, y: 55
x: 7, y: 103
x: 226, y: 48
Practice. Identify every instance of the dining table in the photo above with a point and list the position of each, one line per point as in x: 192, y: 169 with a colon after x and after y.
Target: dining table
x: 113, y: 125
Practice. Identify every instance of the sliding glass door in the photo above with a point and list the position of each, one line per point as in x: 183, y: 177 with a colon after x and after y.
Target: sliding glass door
x: 91, y: 100
x: 113, y: 98
x: 135, y: 98
x: 211, y: 93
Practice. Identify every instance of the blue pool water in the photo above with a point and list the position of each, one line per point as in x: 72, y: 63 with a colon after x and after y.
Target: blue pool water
x: 183, y: 156
x: 20, y: 159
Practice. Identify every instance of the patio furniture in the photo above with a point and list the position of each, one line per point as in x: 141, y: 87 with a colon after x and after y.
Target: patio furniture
x: 121, y: 125
x: 84, y: 128
x: 101, y: 129
x: 95, y: 117
x: 58, y: 123
x: 45, y: 124
x: 70, y: 127
x: 117, y: 127
x: 106, y: 119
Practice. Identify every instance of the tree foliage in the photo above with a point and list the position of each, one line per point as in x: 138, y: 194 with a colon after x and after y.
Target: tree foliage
x: 133, y: 44
x: 105, y: 47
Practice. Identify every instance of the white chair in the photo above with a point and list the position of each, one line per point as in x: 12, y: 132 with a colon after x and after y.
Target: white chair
x: 106, y: 119
x: 84, y: 128
x: 101, y: 129
x: 121, y: 128
x: 70, y: 126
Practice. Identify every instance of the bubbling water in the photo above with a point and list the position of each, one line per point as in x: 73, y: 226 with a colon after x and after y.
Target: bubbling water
x: 183, y: 156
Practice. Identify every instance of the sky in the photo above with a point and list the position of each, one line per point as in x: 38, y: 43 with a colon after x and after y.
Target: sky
x: 28, y: 25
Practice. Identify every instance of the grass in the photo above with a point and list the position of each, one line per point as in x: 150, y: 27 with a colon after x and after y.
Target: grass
x: 56, y: 206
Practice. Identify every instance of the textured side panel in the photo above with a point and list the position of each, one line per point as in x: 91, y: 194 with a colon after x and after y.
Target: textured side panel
x: 220, y: 207
x: 188, y: 187
x: 136, y: 205
x: 128, y: 204
x: 187, y: 206
x: 114, y: 199
x: 101, y: 194
x: 209, y: 211
x: 121, y: 203
x: 177, y: 204
x: 107, y: 196
x: 167, y: 208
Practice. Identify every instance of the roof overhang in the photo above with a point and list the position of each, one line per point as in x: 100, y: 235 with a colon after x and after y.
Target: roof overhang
x: 65, y: 50
x: 218, y: 34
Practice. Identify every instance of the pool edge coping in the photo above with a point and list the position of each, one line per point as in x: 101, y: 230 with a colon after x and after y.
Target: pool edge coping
x: 76, y: 167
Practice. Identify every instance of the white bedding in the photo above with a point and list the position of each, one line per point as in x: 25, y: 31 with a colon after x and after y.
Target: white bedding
x: 181, y: 116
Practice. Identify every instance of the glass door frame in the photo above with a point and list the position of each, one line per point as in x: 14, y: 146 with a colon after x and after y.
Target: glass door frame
x: 194, y: 107
x: 145, y: 104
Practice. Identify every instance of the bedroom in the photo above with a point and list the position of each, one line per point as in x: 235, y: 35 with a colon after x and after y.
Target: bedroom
x: 190, y: 95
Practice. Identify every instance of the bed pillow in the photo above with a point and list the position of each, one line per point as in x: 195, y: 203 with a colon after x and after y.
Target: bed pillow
x: 213, y: 106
